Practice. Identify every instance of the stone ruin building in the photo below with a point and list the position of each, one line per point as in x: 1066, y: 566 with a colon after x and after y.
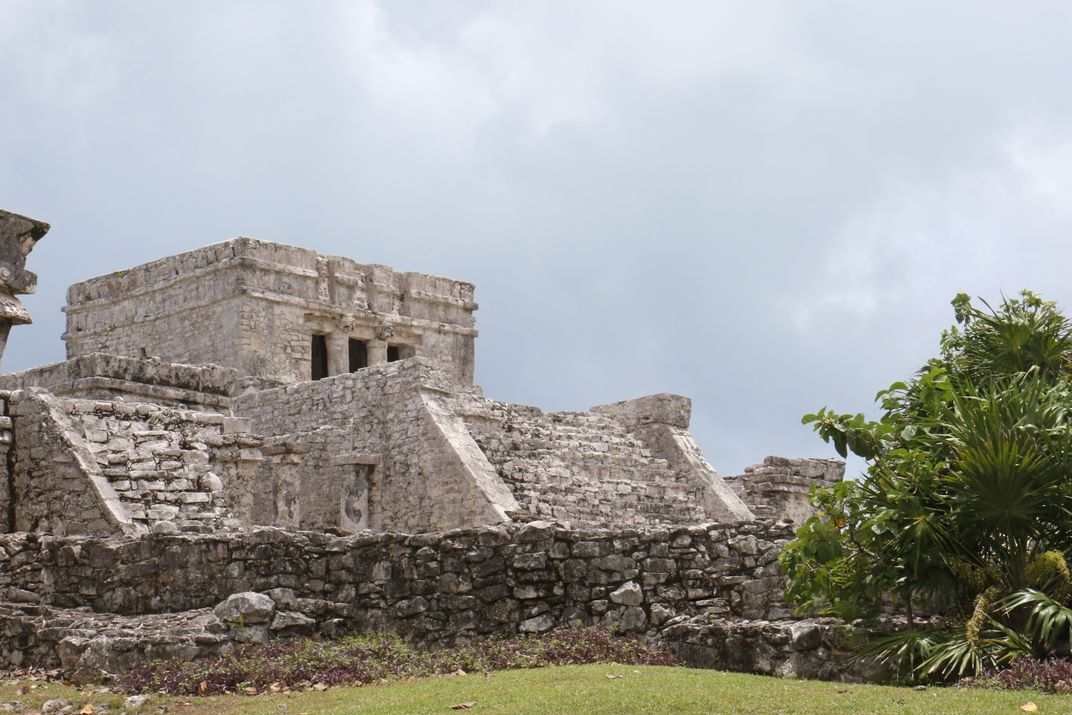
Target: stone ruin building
x: 297, y: 440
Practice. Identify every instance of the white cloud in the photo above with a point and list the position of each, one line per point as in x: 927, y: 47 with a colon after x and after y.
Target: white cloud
x: 1042, y: 161
x: 765, y: 205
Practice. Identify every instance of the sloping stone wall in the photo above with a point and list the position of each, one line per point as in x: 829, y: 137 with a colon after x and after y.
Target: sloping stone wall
x: 56, y: 484
x: 779, y: 487
x: 494, y: 579
x: 378, y: 441
x: 661, y: 423
x: 163, y: 462
x: 102, y: 467
x: 632, y: 463
x: 583, y: 467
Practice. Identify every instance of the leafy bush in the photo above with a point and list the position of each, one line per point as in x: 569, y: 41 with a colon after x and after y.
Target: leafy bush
x: 367, y: 659
x: 965, y: 508
x: 1049, y: 573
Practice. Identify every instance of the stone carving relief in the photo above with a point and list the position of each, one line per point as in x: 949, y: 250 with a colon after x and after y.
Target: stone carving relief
x: 18, y: 235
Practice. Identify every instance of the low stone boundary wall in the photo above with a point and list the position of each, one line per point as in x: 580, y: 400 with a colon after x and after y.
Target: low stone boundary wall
x: 495, y: 579
x: 813, y: 648
x: 90, y: 646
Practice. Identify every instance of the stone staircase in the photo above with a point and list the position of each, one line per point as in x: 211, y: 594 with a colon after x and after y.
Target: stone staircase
x: 159, y: 462
x: 582, y: 467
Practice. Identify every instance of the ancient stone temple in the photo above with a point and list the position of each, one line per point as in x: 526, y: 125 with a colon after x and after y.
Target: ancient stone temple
x: 253, y: 383
x: 254, y: 416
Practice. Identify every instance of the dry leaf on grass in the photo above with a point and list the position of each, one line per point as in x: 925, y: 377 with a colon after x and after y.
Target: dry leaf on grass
x: 462, y: 706
x: 1029, y: 707
x: 614, y: 677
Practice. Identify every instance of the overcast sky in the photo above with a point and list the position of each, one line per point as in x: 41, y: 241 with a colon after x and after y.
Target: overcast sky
x: 766, y: 206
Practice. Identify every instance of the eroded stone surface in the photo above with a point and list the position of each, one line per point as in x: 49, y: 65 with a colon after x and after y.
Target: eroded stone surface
x: 246, y: 608
x: 18, y: 235
x: 779, y: 487
x: 811, y: 648
x: 249, y: 384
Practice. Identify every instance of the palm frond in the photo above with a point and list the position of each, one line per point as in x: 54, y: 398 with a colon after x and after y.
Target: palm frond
x: 1048, y: 619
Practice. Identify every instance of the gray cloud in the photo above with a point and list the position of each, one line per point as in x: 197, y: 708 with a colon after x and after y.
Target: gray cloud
x: 766, y: 206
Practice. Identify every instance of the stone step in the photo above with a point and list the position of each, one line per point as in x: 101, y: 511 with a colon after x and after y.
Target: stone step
x: 583, y: 467
x: 158, y: 472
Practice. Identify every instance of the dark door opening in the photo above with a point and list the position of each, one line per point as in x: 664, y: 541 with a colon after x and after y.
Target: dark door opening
x: 358, y: 355
x: 393, y: 354
x: 319, y: 368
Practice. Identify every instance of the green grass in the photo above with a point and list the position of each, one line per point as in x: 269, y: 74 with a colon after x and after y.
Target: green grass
x: 581, y: 690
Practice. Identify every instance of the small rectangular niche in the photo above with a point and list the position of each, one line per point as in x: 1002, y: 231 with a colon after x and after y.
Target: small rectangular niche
x: 358, y: 355
x: 393, y: 353
x: 319, y: 366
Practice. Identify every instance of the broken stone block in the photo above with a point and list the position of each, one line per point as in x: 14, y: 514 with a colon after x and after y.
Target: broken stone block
x: 805, y: 636
x: 539, y: 624
x: 245, y: 609
x: 628, y: 594
x: 291, y: 621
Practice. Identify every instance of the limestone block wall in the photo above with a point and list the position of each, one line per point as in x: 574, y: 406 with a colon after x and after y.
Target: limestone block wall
x: 661, y: 423
x: 184, y: 309
x: 55, y: 484
x: 494, y: 579
x: 100, y: 467
x: 7, y: 437
x: 254, y: 306
x: 166, y: 465
x: 779, y: 487
x: 628, y: 464
x: 376, y: 448
x: 105, y: 377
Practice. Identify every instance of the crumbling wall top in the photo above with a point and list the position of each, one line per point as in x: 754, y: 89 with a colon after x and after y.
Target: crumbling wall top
x: 253, y: 253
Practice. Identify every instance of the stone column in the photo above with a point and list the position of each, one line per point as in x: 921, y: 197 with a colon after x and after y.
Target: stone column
x: 18, y: 235
x: 377, y: 352
x: 338, y: 353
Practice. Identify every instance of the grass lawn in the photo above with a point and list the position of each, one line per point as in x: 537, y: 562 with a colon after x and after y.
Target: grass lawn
x: 580, y: 690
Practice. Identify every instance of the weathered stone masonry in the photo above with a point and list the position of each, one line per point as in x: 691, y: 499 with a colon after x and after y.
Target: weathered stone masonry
x: 708, y: 591
x: 251, y: 417
x: 265, y: 302
x: 488, y: 579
